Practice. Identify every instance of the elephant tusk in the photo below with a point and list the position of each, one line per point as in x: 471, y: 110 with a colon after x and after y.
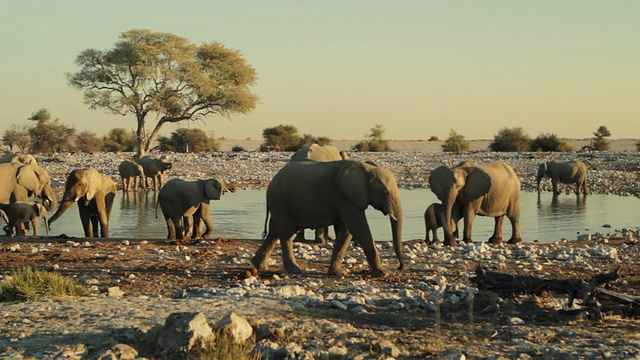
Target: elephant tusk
x: 393, y: 217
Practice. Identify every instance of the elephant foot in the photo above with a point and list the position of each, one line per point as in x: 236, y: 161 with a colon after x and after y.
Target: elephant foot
x: 259, y: 265
x: 293, y: 269
x: 382, y: 272
x: 495, y: 240
x: 450, y: 242
x: 514, y: 240
x: 467, y: 241
x: 337, y: 271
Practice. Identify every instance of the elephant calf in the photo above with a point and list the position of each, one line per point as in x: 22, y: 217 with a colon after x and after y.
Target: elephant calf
x: 20, y: 212
x: 434, y: 217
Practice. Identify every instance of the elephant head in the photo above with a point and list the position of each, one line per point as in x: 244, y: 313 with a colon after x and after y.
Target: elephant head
x: 542, y: 172
x: 455, y: 186
x: 365, y: 184
x: 82, y: 185
x: 38, y: 183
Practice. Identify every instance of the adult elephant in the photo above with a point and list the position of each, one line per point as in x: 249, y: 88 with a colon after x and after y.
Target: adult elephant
x: 94, y: 193
x: 311, y: 194
x: 180, y: 200
x: 131, y: 173
x: 19, y: 181
x: 19, y: 158
x: 154, y: 169
x: 318, y: 153
x: 571, y: 172
x: 491, y: 189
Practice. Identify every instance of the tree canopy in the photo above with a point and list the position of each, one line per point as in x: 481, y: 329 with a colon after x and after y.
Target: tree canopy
x: 163, y: 75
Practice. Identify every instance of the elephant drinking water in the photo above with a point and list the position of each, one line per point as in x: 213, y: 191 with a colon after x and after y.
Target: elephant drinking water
x: 311, y: 194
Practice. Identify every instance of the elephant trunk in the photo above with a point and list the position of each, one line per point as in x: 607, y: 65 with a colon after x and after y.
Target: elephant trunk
x: 46, y: 225
x: 65, y: 203
x: 396, y: 234
x: 49, y: 199
x: 446, y: 226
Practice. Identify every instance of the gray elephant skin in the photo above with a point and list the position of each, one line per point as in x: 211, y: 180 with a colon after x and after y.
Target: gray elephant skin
x: 131, y: 174
x: 20, y: 212
x: 434, y: 217
x: 571, y: 172
x: 311, y: 194
x: 180, y: 200
x: 318, y: 153
x: 491, y: 189
x: 18, y: 181
x: 94, y: 193
x: 19, y: 158
x: 154, y: 169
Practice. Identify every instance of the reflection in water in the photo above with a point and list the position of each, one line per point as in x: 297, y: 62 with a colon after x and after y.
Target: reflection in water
x: 241, y: 215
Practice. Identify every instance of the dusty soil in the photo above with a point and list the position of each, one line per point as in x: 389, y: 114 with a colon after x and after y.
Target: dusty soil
x: 420, y: 333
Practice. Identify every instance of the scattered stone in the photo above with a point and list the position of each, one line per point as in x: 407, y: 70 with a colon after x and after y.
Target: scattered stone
x: 184, y: 332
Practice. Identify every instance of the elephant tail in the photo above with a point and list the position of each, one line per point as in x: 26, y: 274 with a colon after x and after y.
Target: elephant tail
x: 266, y: 221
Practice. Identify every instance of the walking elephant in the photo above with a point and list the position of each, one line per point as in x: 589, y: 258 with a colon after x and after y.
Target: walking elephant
x: 179, y: 200
x: 318, y: 153
x: 20, y: 181
x: 131, y: 173
x: 311, y: 194
x: 154, y: 169
x: 20, y: 212
x: 488, y: 190
x: 434, y: 217
x: 572, y: 172
x: 94, y: 193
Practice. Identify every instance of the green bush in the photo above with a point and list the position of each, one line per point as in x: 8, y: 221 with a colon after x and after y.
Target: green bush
x: 510, y: 139
x: 376, y: 141
x: 286, y: 138
x: 455, y: 143
x: 32, y: 284
x: 433, y: 138
x: 119, y: 139
x: 88, y: 142
x: 549, y: 142
x: 238, y: 148
x: 185, y: 140
x: 599, y: 142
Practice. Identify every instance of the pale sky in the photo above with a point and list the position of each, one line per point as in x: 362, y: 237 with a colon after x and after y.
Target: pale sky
x: 337, y: 68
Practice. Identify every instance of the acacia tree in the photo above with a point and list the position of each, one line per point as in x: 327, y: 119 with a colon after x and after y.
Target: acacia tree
x: 17, y: 136
x: 162, y: 75
x: 49, y: 135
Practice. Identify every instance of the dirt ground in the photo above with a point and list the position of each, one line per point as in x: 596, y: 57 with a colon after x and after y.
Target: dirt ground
x: 162, y: 267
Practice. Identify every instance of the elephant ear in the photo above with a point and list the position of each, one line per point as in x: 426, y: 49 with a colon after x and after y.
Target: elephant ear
x: 28, y: 177
x: 478, y: 184
x: 93, y: 180
x: 352, y: 181
x: 212, y: 189
x: 436, y: 181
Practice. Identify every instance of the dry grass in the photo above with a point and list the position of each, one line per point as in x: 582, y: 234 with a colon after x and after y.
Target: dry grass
x: 28, y: 283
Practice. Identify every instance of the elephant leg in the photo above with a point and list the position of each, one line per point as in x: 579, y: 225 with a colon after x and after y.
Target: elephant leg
x: 188, y: 225
x: 468, y: 226
x: 288, y: 257
x: 260, y: 259
x: 206, y: 219
x: 85, y: 220
x: 554, y: 182
x: 322, y: 235
x: 343, y: 238
x: 516, y: 236
x: 171, y: 230
x: 358, y: 226
x: 300, y: 236
x: 34, y: 223
x: 496, y: 238
x: 177, y: 224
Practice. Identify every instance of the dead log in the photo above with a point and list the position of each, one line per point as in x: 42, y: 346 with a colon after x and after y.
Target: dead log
x: 509, y: 285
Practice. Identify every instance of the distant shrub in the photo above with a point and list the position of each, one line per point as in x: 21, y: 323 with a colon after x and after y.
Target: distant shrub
x: 238, y: 149
x: 88, y: 142
x: 32, y: 284
x: 549, y: 142
x: 119, y: 139
x: 433, y: 138
x: 599, y: 142
x: 510, y: 139
x: 286, y: 138
x: 376, y: 142
x: 455, y: 142
x: 188, y: 141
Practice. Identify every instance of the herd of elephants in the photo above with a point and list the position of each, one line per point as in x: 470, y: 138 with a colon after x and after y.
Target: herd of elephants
x: 319, y: 187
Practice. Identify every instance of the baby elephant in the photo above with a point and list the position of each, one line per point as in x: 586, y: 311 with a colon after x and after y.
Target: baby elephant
x: 20, y: 212
x: 434, y: 218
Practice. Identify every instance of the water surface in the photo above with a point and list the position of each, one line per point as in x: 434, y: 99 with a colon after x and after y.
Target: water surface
x: 242, y: 214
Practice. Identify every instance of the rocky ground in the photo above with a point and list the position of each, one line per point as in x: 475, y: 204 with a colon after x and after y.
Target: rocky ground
x: 433, y: 309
